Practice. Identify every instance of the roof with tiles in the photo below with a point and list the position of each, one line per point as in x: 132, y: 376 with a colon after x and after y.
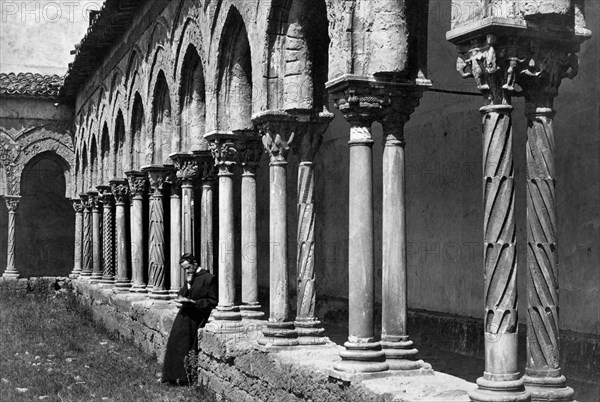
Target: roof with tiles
x: 30, y: 84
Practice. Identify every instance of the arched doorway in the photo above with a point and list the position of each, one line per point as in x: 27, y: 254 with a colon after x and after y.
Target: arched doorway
x: 45, y: 222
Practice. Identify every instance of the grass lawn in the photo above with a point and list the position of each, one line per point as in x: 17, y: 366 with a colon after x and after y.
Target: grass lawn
x: 51, y: 350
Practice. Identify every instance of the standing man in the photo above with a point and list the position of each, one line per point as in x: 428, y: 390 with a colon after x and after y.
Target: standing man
x: 195, y: 301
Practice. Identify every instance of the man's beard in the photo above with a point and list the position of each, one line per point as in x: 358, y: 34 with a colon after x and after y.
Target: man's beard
x: 189, y: 278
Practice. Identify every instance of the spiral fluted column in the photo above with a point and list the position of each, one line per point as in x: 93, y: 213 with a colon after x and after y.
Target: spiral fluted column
x: 157, y: 177
x: 120, y: 191
x: 96, y: 236
x: 540, y: 81
x: 78, y: 252
x: 86, y: 271
x: 12, y: 203
x: 137, y: 188
x: 501, y: 379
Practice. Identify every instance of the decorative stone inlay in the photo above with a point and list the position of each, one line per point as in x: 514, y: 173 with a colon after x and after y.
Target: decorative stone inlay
x: 87, y: 236
x: 95, y: 203
x: 108, y: 259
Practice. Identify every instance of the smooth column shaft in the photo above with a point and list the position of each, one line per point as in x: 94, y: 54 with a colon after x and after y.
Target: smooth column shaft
x: 278, y: 247
x: 137, y: 246
x: 394, y: 297
x: 360, y: 243
x: 175, y: 245
x: 206, y: 229
x: 122, y: 279
x: 187, y: 210
x: 249, y: 240
x: 226, y: 243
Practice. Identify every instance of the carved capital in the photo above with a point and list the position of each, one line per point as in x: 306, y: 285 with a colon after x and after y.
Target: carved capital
x: 77, y: 205
x: 223, y: 147
x: 105, y: 195
x: 206, y: 164
x: 94, y: 201
x: 250, y: 152
x: 277, y: 128
x: 310, y: 129
x: 12, y: 202
x: 137, y: 183
x: 120, y: 190
x: 158, y: 176
x: 186, y: 165
x: 494, y: 64
x: 85, y: 201
x: 543, y: 72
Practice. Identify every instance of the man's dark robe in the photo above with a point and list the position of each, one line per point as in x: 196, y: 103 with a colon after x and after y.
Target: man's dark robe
x: 184, y: 334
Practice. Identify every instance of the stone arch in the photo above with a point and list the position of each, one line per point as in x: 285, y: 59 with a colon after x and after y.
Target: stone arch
x: 137, y: 132
x: 133, y: 64
x: 115, y: 84
x: 85, y: 185
x: 297, y: 55
x: 192, y: 102
x: 161, y: 121
x: 121, y: 157
x: 49, y: 146
x: 234, y: 75
x: 9, y: 154
x: 94, y: 162
x: 105, y: 161
x: 183, y: 4
x: 43, y: 250
x: 159, y: 36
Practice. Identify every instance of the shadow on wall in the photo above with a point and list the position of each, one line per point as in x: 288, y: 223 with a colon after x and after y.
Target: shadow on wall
x: 45, y: 220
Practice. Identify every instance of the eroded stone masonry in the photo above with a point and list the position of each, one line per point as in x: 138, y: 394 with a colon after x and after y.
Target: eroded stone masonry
x: 197, y: 126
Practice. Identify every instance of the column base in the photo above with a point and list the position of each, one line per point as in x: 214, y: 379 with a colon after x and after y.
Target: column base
x: 122, y: 285
x: 75, y: 273
x: 278, y: 333
x: 362, y: 357
x: 500, y: 390
x: 159, y: 295
x: 310, y: 331
x: 138, y: 289
x: 251, y: 311
x: 401, y: 355
x: 174, y: 293
x: 548, y: 388
x: 11, y: 274
x: 107, y: 280
x: 96, y: 276
x: 226, y: 320
x: 85, y: 275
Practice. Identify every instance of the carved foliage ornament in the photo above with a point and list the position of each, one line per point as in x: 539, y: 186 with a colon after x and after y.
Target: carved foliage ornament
x: 225, y: 154
x: 120, y: 190
x: 137, y: 184
x: 77, y: 206
x: 12, y: 203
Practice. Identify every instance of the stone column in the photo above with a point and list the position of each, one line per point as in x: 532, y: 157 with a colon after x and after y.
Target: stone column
x: 540, y: 81
x: 276, y: 129
x: 187, y: 171
x: 78, y: 207
x: 361, y: 105
x: 120, y: 191
x: 175, y: 232
x: 227, y: 316
x: 12, y: 203
x: 251, y: 151
x: 108, y: 248
x: 501, y: 379
x: 137, y: 188
x: 309, y: 134
x: 206, y: 166
x: 157, y: 175
x: 96, y: 236
x: 86, y: 271
x: 398, y: 348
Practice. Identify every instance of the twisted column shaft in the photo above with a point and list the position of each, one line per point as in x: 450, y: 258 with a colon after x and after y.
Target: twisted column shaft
x: 108, y: 249
x: 96, y: 237
x: 87, y: 237
x: 12, y: 203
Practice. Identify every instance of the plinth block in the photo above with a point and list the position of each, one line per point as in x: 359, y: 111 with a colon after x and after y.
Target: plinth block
x: 279, y: 334
x: 364, y: 357
x: 548, y: 388
x: 493, y: 390
x: 160, y: 295
x: 251, y: 312
x: 138, y: 289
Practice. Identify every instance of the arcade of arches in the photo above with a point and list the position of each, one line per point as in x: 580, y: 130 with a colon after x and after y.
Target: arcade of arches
x: 231, y: 129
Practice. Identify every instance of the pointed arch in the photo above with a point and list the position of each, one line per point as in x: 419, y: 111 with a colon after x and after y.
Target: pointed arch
x: 105, y: 168
x: 161, y: 121
x: 137, y: 132
x: 93, y: 164
x: 120, y: 156
x: 234, y: 75
x: 192, y: 102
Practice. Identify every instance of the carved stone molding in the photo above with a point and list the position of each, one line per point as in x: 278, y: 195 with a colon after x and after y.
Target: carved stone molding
x: 137, y: 183
x: 12, y: 202
x: 277, y: 128
x: 105, y: 195
x: 250, y: 151
x: 206, y: 164
x: 158, y: 176
x: 94, y: 201
x: 120, y: 190
x: 310, y: 129
x: 77, y: 205
x: 224, y: 149
x: 186, y: 165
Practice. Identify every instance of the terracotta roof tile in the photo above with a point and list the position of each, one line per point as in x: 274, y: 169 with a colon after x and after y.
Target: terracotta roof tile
x: 30, y: 84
